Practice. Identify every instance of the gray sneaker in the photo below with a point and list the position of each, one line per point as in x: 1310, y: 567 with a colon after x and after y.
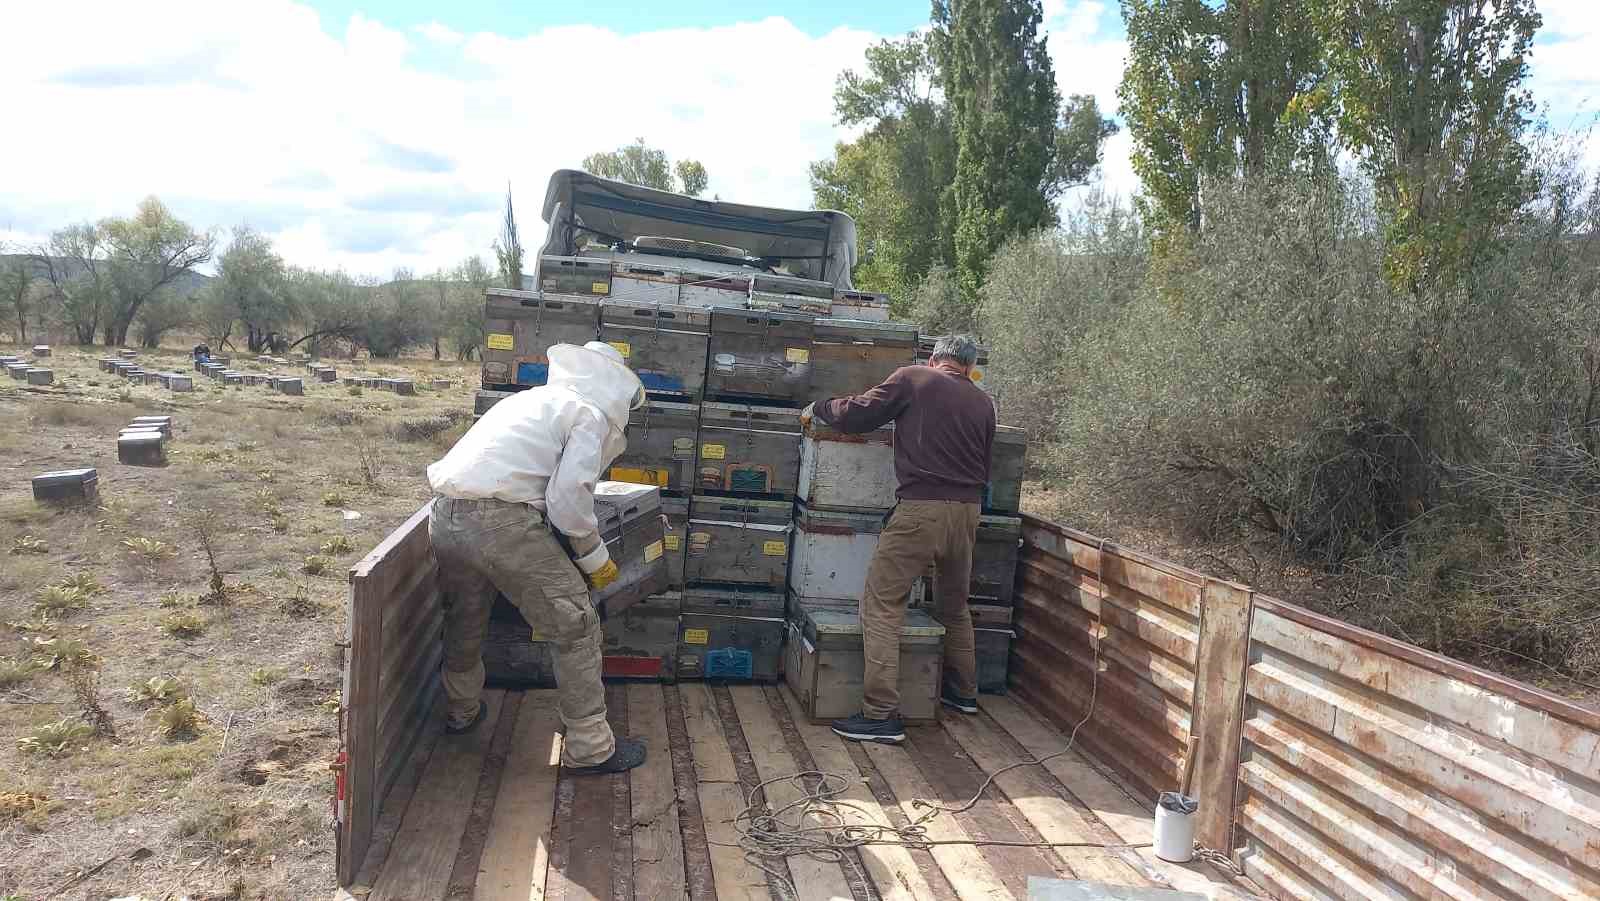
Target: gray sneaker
x: 949, y: 698
x: 864, y: 728
x: 629, y: 753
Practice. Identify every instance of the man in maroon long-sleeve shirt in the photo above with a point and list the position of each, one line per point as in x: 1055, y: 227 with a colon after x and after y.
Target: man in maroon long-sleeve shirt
x: 943, y: 433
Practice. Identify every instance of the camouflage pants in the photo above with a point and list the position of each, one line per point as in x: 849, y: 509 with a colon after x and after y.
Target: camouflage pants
x: 484, y: 545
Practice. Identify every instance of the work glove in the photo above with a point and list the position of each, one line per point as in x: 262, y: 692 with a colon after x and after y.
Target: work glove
x: 807, y: 415
x: 604, y: 576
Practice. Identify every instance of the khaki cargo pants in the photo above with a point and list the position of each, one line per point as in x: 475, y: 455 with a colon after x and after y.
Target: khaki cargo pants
x: 484, y: 545
x: 919, y: 533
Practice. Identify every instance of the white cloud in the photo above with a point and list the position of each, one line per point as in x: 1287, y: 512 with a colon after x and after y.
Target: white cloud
x: 358, y: 145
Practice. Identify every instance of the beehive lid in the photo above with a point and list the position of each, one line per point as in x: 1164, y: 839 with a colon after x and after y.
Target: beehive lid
x: 759, y: 321
x: 846, y: 331
x: 829, y: 522
x: 732, y: 602
x: 66, y: 477
x: 664, y: 316
x: 661, y: 409
x: 626, y: 501
x: 757, y: 514
x: 992, y: 528
x: 754, y: 416
x: 1010, y: 434
x: 841, y: 623
x: 821, y: 431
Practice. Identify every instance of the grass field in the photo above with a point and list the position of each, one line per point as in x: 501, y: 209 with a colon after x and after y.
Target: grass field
x: 217, y: 709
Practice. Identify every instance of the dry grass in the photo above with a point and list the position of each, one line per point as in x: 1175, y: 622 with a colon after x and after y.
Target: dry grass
x: 255, y: 465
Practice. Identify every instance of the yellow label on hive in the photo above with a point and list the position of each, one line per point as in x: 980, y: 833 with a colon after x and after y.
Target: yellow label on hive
x: 673, y: 542
x: 774, y: 548
x: 622, y: 347
x: 696, y: 636
x: 639, y: 476
x: 797, y: 355
x: 713, y: 451
x: 652, y: 552
x: 600, y: 288
x: 500, y: 342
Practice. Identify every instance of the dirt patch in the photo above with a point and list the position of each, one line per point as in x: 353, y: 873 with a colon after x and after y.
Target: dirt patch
x: 238, y: 809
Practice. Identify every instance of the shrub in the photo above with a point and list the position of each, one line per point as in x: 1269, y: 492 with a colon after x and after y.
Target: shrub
x: 149, y: 549
x: 29, y: 544
x: 185, y: 625
x: 301, y: 606
x: 338, y: 544
x: 333, y: 499
x: 180, y: 719
x: 83, y: 582
x: 314, y: 565
x: 15, y: 671
x: 158, y: 691
x: 266, y: 675
x: 56, y: 739
x: 171, y: 599
x: 62, y: 653
x: 56, y: 600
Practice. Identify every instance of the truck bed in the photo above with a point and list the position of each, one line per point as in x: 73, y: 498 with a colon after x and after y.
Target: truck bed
x: 491, y: 815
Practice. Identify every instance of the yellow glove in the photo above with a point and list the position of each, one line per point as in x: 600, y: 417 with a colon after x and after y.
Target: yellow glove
x: 604, y: 576
x: 807, y: 415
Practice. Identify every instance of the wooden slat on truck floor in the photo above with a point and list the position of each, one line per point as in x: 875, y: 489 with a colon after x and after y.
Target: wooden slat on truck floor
x: 954, y: 780
x: 721, y: 797
x: 582, y: 866
x: 814, y: 880
x: 894, y: 871
x: 964, y: 865
x: 1029, y: 790
x: 517, y: 854
x: 419, y: 863
x: 657, y: 844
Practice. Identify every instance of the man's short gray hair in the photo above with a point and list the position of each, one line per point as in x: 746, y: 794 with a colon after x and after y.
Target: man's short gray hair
x: 963, y: 349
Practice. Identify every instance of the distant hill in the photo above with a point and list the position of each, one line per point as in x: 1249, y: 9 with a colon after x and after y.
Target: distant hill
x: 185, y: 285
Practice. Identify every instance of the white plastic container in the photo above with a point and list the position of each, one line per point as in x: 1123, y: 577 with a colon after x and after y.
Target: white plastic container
x: 1174, y: 828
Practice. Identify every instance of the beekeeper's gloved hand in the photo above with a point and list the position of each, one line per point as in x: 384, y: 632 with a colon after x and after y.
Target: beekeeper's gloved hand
x: 593, y: 558
x: 807, y: 414
x: 604, y: 576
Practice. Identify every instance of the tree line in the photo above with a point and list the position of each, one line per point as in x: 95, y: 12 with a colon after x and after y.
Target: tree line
x: 140, y: 276
x: 1341, y: 344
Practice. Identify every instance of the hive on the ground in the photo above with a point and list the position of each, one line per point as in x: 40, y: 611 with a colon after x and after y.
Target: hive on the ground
x: 141, y: 447
x: 67, y: 486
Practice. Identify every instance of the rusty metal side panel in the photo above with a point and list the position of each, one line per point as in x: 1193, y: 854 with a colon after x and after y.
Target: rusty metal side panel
x: 1370, y: 769
x: 1076, y: 596
x: 390, y: 677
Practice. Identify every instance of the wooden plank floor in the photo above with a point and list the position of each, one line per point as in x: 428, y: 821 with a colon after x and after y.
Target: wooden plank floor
x: 492, y: 815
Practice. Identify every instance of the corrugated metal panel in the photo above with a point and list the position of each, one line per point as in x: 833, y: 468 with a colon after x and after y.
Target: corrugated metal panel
x: 1372, y: 769
x: 1076, y: 593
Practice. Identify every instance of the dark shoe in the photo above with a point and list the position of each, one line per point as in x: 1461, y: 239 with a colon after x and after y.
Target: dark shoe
x: 629, y: 753
x: 863, y: 728
x: 949, y: 698
x: 464, y: 728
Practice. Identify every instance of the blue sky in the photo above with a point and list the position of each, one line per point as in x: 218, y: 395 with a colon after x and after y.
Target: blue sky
x: 815, y: 18
x: 378, y: 136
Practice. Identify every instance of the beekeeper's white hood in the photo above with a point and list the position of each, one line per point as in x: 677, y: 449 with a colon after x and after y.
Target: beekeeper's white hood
x: 597, y: 373
x: 549, y: 446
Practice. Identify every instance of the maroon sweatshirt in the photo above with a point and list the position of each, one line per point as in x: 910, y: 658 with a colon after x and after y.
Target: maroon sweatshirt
x: 943, y: 430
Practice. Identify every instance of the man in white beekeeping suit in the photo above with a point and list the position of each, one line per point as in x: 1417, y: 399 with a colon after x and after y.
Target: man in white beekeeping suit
x: 529, y: 466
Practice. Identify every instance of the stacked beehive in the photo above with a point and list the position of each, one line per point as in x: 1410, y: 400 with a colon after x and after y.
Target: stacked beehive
x: 753, y: 533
